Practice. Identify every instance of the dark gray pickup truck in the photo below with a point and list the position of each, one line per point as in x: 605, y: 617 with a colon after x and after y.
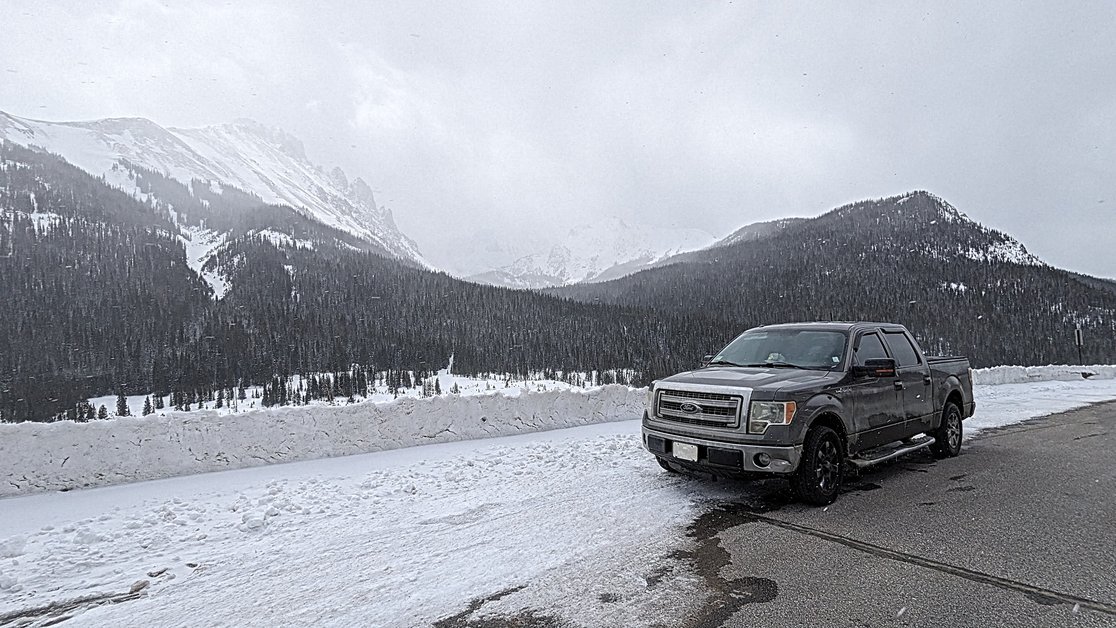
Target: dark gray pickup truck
x: 806, y: 401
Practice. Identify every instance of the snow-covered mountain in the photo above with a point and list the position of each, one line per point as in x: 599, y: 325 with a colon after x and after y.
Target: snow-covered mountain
x: 603, y: 250
x: 246, y: 155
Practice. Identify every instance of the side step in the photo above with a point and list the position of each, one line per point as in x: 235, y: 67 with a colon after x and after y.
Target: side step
x: 890, y: 452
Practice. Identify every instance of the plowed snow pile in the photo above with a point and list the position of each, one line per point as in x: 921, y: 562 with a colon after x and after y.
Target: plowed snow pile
x: 66, y: 455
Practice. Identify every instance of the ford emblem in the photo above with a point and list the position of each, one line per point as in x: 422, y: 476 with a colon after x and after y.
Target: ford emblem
x: 690, y: 408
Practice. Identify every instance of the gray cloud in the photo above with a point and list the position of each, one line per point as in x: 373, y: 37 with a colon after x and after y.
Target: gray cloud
x: 521, y: 118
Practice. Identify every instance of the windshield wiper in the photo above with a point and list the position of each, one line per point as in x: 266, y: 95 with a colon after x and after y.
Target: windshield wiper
x: 775, y: 365
x: 725, y: 362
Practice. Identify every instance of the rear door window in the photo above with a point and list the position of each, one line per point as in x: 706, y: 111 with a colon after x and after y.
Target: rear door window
x: 902, y: 348
x: 870, y: 348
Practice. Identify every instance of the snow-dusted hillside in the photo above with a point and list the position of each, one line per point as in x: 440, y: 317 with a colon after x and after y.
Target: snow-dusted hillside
x: 244, y: 154
x: 992, y: 246
x: 757, y: 230
x: 604, y: 250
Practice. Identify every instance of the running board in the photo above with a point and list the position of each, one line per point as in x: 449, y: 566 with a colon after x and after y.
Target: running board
x: 888, y: 453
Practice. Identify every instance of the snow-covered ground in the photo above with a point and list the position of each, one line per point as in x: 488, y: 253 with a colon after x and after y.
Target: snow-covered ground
x: 1024, y: 374
x: 66, y: 455
x: 396, y: 538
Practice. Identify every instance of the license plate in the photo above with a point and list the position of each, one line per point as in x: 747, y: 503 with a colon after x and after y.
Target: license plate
x: 685, y: 451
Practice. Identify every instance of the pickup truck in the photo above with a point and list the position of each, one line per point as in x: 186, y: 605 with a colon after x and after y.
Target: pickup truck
x: 808, y: 401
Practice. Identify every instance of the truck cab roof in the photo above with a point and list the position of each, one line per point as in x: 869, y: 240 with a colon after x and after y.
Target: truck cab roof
x: 836, y: 325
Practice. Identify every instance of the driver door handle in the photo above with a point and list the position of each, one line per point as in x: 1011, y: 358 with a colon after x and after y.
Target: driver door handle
x: 899, y: 386
x: 926, y: 380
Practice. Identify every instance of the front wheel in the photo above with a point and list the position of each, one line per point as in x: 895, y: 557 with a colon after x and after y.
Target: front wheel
x: 818, y: 477
x: 947, y: 438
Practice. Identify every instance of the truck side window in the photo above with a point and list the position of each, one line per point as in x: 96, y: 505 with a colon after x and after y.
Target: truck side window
x: 902, y: 348
x: 870, y: 348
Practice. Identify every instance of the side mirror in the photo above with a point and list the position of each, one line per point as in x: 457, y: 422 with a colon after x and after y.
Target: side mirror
x: 880, y: 367
x: 706, y: 359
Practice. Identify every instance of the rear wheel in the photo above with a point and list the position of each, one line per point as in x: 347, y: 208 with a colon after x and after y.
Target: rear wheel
x: 818, y: 478
x: 947, y: 438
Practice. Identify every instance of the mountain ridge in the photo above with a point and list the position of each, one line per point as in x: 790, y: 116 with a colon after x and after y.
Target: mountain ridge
x: 247, y: 155
x: 913, y: 258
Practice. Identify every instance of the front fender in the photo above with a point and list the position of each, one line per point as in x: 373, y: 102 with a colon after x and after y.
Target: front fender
x: 824, y: 405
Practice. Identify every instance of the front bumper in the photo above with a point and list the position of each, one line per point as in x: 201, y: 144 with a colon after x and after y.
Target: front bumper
x: 717, y: 456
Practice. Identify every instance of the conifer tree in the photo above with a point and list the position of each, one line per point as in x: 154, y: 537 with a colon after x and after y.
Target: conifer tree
x: 102, y: 413
x: 147, y: 408
x: 122, y: 405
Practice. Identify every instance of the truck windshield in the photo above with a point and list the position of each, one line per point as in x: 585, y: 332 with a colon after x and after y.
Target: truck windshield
x: 788, y: 348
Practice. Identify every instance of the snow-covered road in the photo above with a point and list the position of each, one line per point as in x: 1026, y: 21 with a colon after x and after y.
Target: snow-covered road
x: 577, y: 524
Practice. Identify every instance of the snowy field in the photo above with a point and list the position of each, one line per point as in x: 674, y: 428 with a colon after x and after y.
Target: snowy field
x: 66, y: 455
x: 396, y: 538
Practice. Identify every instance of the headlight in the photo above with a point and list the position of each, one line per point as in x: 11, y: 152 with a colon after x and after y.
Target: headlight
x: 764, y: 413
x: 651, y: 399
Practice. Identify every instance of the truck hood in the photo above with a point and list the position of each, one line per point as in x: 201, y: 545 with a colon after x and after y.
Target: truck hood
x: 754, y: 378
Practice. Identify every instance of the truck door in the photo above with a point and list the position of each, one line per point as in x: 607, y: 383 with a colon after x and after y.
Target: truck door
x: 877, y: 405
x: 915, y: 384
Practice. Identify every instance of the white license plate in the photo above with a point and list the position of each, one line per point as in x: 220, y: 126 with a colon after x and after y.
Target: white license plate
x: 685, y: 451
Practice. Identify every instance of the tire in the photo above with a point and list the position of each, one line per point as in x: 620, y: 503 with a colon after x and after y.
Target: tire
x: 818, y: 478
x: 665, y: 465
x: 948, y: 436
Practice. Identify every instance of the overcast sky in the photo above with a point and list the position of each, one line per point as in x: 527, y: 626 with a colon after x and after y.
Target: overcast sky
x: 520, y: 116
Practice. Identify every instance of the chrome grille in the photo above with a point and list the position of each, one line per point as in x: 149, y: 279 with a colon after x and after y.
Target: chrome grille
x: 708, y: 409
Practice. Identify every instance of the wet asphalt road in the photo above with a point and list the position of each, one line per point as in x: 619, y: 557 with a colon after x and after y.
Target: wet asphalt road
x: 1020, y: 530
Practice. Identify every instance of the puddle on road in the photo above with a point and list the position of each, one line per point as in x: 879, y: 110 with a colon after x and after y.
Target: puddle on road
x: 707, y: 558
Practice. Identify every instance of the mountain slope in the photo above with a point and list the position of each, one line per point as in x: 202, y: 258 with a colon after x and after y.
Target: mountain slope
x: 262, y: 162
x: 600, y: 251
x: 914, y: 259
x: 758, y: 231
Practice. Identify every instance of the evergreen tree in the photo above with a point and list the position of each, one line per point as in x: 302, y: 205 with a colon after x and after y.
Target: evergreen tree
x: 437, y: 387
x: 158, y: 402
x: 102, y: 413
x: 220, y: 398
x: 122, y: 405
x: 147, y: 407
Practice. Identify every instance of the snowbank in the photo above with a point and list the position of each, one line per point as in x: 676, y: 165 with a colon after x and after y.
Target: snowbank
x: 67, y: 455
x: 1022, y: 374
